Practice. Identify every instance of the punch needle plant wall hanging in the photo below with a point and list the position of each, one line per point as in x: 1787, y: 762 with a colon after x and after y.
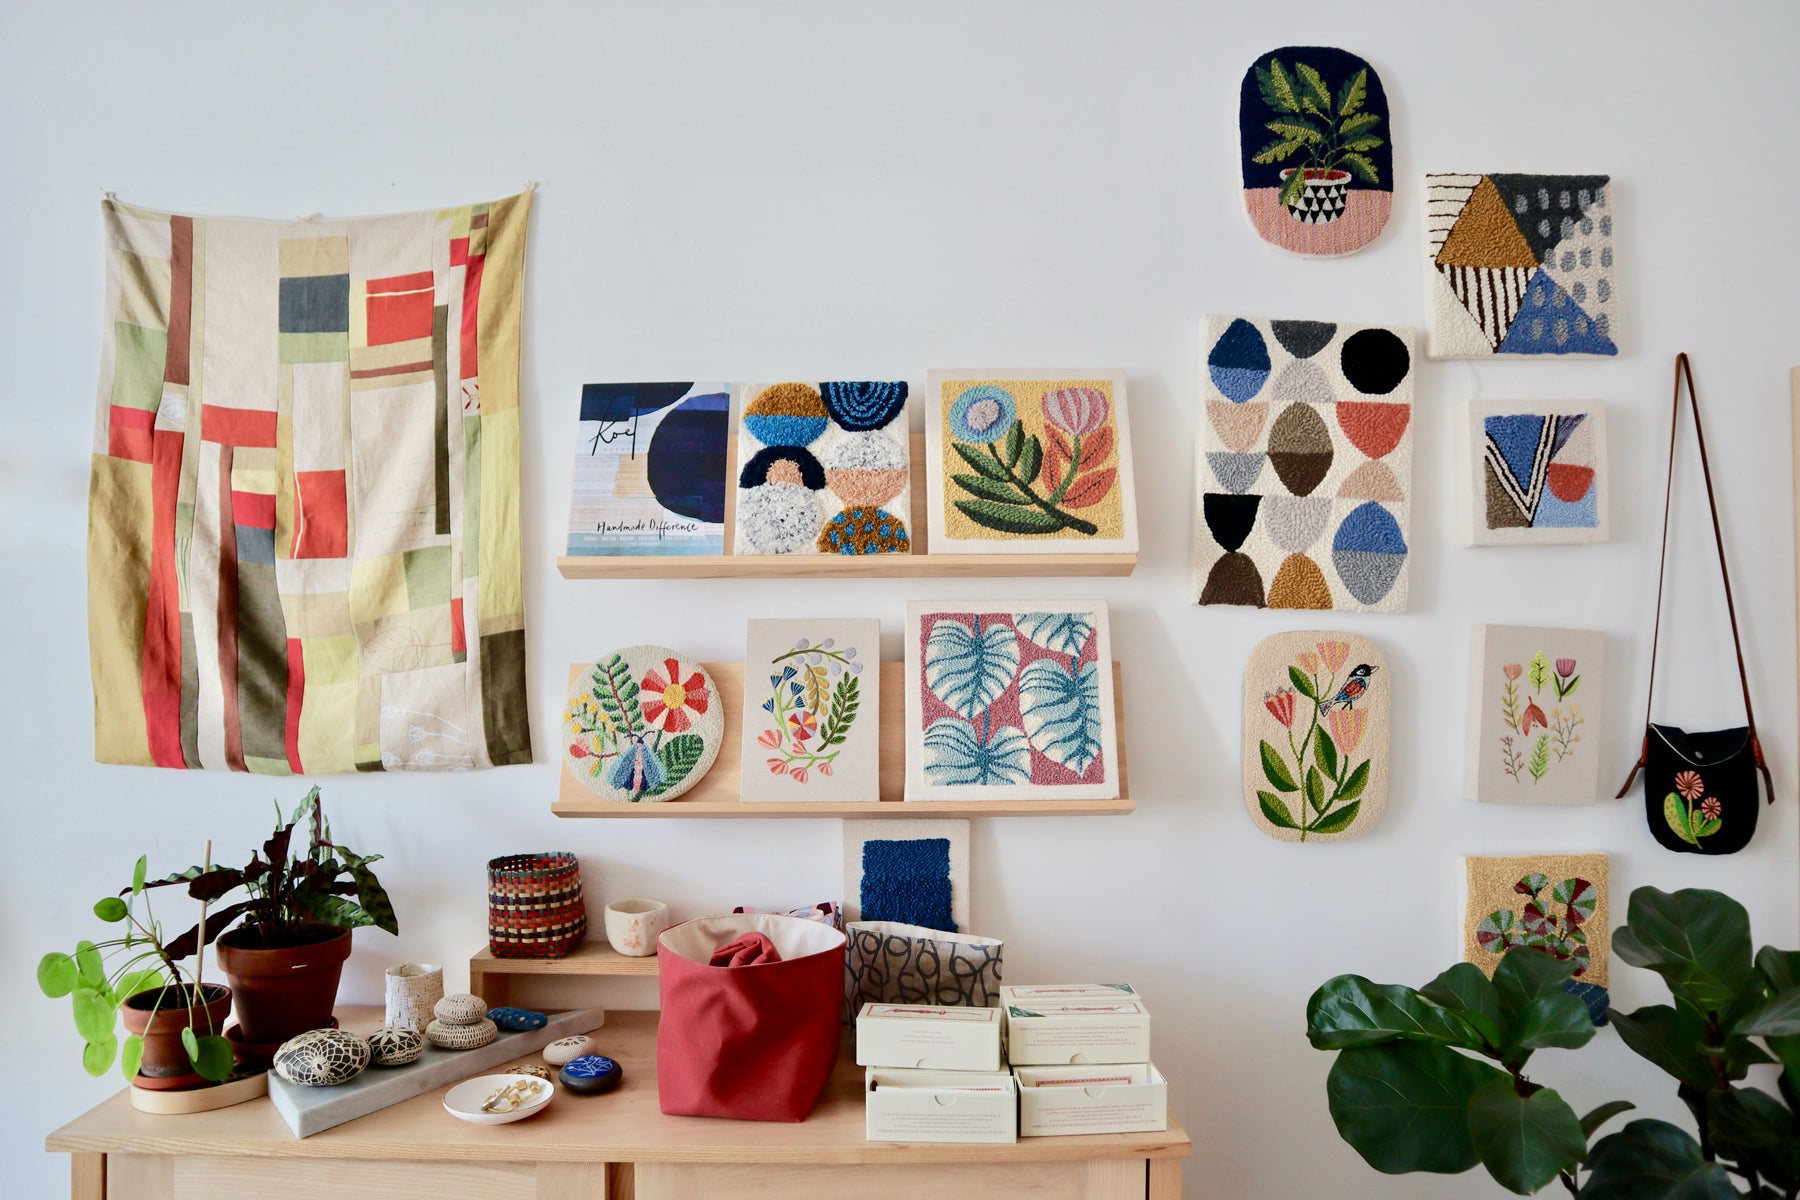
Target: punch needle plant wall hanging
x: 1315, y: 736
x: 1029, y: 462
x: 1314, y: 140
x: 1554, y: 904
x: 812, y: 710
x: 644, y: 723
x: 1529, y: 739
x: 1010, y: 702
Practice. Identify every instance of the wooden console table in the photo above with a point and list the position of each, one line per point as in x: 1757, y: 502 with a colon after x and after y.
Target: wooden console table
x: 612, y: 1147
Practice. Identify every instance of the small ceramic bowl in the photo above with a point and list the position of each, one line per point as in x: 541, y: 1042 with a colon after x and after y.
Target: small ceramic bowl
x: 464, y: 1100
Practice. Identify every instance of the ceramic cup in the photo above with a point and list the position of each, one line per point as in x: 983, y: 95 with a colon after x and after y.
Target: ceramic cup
x: 413, y: 990
x: 632, y: 926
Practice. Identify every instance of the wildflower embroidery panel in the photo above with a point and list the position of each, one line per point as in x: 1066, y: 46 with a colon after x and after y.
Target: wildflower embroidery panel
x: 823, y: 468
x: 1314, y: 135
x: 1555, y: 904
x: 1304, y: 477
x: 1010, y: 702
x: 650, y: 469
x: 1029, y: 462
x: 1519, y: 264
x: 644, y: 723
x: 1532, y: 473
x: 812, y: 710
x: 1316, y: 710
x: 910, y: 872
x: 1530, y: 739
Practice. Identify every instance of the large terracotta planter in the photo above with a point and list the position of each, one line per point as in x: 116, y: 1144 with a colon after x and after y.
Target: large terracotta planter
x: 284, y: 991
x: 164, y: 1055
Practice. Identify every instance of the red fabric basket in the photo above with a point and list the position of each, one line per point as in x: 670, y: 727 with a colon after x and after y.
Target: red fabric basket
x: 754, y: 1043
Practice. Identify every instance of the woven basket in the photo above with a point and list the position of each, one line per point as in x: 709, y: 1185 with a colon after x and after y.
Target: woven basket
x: 535, y: 908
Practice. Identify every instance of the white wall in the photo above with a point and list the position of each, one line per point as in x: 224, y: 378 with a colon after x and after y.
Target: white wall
x: 766, y: 190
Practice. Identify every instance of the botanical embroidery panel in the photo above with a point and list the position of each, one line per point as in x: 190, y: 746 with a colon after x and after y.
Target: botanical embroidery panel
x: 1316, y: 712
x: 1555, y: 904
x: 303, y: 520
x: 644, y: 723
x: 1530, y: 740
x: 1010, y: 702
x: 811, y: 710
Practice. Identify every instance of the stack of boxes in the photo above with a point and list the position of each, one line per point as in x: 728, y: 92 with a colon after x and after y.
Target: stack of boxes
x: 1052, y: 1059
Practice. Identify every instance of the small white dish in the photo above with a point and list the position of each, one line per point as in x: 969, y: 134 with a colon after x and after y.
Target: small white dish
x: 465, y: 1099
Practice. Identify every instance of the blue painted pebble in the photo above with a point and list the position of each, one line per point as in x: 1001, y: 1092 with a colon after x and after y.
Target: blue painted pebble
x: 592, y: 1074
x: 517, y: 1019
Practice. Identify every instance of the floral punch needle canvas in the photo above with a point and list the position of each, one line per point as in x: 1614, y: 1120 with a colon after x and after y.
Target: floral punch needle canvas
x: 1530, y: 740
x: 811, y: 709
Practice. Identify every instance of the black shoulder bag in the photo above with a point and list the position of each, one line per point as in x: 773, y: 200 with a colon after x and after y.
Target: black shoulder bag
x: 1699, y: 788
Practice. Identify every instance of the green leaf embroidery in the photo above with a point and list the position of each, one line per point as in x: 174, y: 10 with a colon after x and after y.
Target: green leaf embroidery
x: 1302, y: 683
x: 1360, y: 166
x: 1540, y: 757
x: 1337, y: 820
x: 1032, y: 460
x: 1276, y: 811
x: 982, y: 463
x: 1326, y: 752
x: 1277, y: 89
x: 1315, y: 790
x: 678, y: 756
x: 616, y: 691
x: 1353, y: 93
x: 1353, y: 786
x: 1006, y: 519
x: 1291, y: 190
x: 1304, y: 132
x: 846, y: 697
x: 1276, y: 771
x: 1539, y: 671
x: 1015, y: 444
x: 1360, y: 123
x: 1061, y: 711
x: 1314, y: 95
x: 1278, y: 150
x: 984, y: 488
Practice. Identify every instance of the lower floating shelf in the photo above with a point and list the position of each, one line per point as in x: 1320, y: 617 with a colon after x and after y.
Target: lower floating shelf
x: 717, y: 794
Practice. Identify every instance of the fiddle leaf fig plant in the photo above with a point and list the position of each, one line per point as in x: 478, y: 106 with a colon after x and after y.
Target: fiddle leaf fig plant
x: 1434, y: 1079
x: 101, y: 976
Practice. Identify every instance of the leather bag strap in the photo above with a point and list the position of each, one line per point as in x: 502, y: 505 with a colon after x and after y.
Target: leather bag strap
x: 1684, y: 372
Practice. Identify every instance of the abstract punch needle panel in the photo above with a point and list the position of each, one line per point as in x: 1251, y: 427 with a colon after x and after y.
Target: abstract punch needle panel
x: 912, y: 872
x: 1313, y: 129
x: 1519, y: 264
x: 823, y: 468
x: 1555, y: 904
x: 650, y: 469
x: 812, y: 709
x: 1029, y: 462
x: 303, y: 521
x: 1532, y: 691
x: 1305, y: 471
x: 1532, y: 472
x: 1010, y: 702
x: 1315, y: 736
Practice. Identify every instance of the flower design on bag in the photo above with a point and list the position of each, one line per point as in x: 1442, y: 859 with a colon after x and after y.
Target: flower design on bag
x: 1710, y: 808
x: 1691, y: 817
x: 1689, y: 784
x: 668, y: 699
x: 1525, y: 682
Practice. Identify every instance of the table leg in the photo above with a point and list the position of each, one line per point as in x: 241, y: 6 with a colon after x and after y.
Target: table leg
x: 87, y: 1175
x: 1165, y: 1179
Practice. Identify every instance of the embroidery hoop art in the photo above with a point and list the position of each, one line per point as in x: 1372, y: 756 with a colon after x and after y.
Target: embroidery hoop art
x: 710, y: 725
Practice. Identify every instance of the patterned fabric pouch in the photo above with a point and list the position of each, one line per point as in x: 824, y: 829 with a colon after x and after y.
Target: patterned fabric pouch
x: 1699, y: 788
x: 893, y: 963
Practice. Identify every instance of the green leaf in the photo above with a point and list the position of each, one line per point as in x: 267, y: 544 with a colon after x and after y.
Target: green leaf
x: 1353, y: 93
x: 1302, y: 683
x: 97, y: 1057
x: 1358, y: 145
x: 94, y: 1015
x: 110, y: 909
x: 1360, y: 123
x: 678, y: 756
x: 1524, y: 1141
x: 1032, y: 460
x: 190, y: 1041
x: 374, y: 898
x: 212, y: 1059
x: 1015, y: 444
x: 1008, y: 520
x: 1276, y: 771
x: 1669, y: 1038
x: 1360, y: 165
x: 1314, y: 790
x: 987, y: 489
x: 1404, y: 1106
x: 132, y: 982
x: 1653, y: 1160
x: 1351, y: 1011
x: 131, y: 1056
x: 1535, y: 1012
x: 57, y: 975
x: 1275, y: 810
x: 1291, y: 190
x: 1325, y: 752
x: 1299, y: 130
x: 1591, y: 1123
x: 1471, y: 995
x: 1314, y: 95
x: 90, y: 964
x: 1353, y: 786
x: 1337, y: 820
x: 1781, y: 968
x: 1757, y: 1130
x: 137, y: 874
x: 1538, y: 672
x: 982, y: 463
x: 1277, y: 150
x: 1779, y: 1016
x: 1697, y: 940
x: 1277, y: 89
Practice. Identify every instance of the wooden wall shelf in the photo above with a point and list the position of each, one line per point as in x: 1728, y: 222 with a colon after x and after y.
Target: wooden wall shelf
x: 921, y: 564
x: 717, y: 794
x: 493, y: 978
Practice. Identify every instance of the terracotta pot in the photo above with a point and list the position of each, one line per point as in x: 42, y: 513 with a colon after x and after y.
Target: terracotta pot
x: 284, y: 991
x: 164, y: 1055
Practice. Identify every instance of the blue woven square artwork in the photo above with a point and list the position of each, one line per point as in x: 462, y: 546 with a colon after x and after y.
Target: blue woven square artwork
x: 907, y: 881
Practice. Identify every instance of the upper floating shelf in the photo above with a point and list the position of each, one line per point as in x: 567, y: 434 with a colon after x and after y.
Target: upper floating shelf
x: 921, y: 564
x: 716, y: 795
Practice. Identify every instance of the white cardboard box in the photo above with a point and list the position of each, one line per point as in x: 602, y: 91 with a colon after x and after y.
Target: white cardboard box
x: 930, y: 1037
x: 1046, y: 992
x: 940, y: 1106
x: 1108, y: 1029
x: 1113, y: 1098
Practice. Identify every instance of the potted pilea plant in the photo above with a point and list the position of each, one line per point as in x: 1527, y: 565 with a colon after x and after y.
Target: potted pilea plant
x: 304, y: 893
x: 1434, y: 1079
x: 1329, y: 133
x: 173, y: 1019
